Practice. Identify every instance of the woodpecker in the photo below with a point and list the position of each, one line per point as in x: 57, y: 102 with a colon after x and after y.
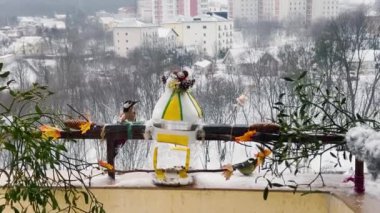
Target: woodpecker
x: 246, y: 167
x: 129, y: 113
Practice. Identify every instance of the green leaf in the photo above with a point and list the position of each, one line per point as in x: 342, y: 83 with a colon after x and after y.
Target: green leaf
x: 15, y: 210
x: 269, y: 183
x: 85, y: 195
x: 4, y: 74
x: 343, y: 101
x: 9, y: 82
x: 287, y: 164
x: 277, y: 185
x: 288, y: 79
x: 279, y: 103
x: 359, y: 117
x: 67, y: 198
x: 38, y: 109
x: 266, y: 192
x: 303, y: 74
x: 10, y: 147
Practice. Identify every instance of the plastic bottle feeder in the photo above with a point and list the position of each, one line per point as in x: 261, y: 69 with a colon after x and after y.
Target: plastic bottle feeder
x: 175, y: 118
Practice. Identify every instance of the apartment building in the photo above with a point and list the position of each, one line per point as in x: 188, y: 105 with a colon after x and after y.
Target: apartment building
x: 202, y: 7
x: 209, y: 34
x: 160, y: 11
x: 244, y: 9
x: 131, y: 34
x: 146, y: 10
x: 325, y: 9
x: 280, y: 10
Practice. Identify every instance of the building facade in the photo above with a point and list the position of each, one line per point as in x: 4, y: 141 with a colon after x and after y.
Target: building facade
x: 305, y: 11
x: 160, y: 11
x: 208, y: 34
x: 132, y: 34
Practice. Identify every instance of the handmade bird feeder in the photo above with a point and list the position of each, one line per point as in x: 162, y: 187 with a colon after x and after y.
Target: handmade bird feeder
x: 176, y: 118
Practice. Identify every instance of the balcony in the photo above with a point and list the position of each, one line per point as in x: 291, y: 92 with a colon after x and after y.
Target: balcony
x: 134, y: 190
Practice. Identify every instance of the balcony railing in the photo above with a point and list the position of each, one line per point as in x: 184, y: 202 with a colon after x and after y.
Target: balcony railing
x: 117, y: 134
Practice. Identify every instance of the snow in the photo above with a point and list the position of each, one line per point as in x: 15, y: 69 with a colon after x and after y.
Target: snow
x: 49, y: 23
x: 238, y: 40
x: 372, y: 157
x: 164, y: 32
x: 333, y: 182
x: 366, y: 56
x: 356, y: 138
x: 3, y: 36
x: 203, y: 64
x: 244, y: 55
x: 26, y: 21
x: 364, y: 143
x: 60, y: 16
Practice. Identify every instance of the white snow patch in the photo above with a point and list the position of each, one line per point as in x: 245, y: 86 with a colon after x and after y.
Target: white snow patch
x: 356, y: 138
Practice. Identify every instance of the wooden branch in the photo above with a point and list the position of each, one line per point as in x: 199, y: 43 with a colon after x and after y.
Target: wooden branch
x: 151, y: 171
x: 212, y: 132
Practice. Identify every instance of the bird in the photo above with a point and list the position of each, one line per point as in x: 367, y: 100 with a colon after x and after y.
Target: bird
x: 129, y: 113
x: 247, y: 167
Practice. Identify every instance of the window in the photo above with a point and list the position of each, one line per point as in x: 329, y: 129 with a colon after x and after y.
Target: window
x: 204, y: 42
x: 204, y: 34
x: 126, y: 34
x: 204, y: 27
x: 188, y: 27
x: 126, y: 41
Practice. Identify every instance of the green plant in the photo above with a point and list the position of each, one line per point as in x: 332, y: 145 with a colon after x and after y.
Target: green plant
x: 308, y: 114
x: 37, y: 170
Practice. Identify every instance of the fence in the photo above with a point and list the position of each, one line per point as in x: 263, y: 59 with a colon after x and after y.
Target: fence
x: 117, y: 134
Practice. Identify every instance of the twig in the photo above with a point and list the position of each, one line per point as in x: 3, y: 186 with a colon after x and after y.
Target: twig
x: 72, y: 108
x: 151, y: 170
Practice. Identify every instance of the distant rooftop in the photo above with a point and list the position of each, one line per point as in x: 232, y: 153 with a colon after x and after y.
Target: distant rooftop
x: 132, y: 22
x: 200, y: 18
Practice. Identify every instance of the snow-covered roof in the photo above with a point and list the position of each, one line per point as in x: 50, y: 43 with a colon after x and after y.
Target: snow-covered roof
x: 203, y: 64
x: 26, y: 41
x: 106, y: 20
x: 3, y: 36
x: 199, y: 18
x: 367, y: 56
x: 31, y: 39
x: 165, y: 32
x: 243, y: 55
x: 26, y: 21
x: 60, y: 16
x: 50, y: 23
x: 209, y: 18
x: 132, y: 22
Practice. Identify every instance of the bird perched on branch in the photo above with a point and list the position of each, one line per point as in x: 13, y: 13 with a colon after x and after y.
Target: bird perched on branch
x: 129, y: 113
x: 247, y: 167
